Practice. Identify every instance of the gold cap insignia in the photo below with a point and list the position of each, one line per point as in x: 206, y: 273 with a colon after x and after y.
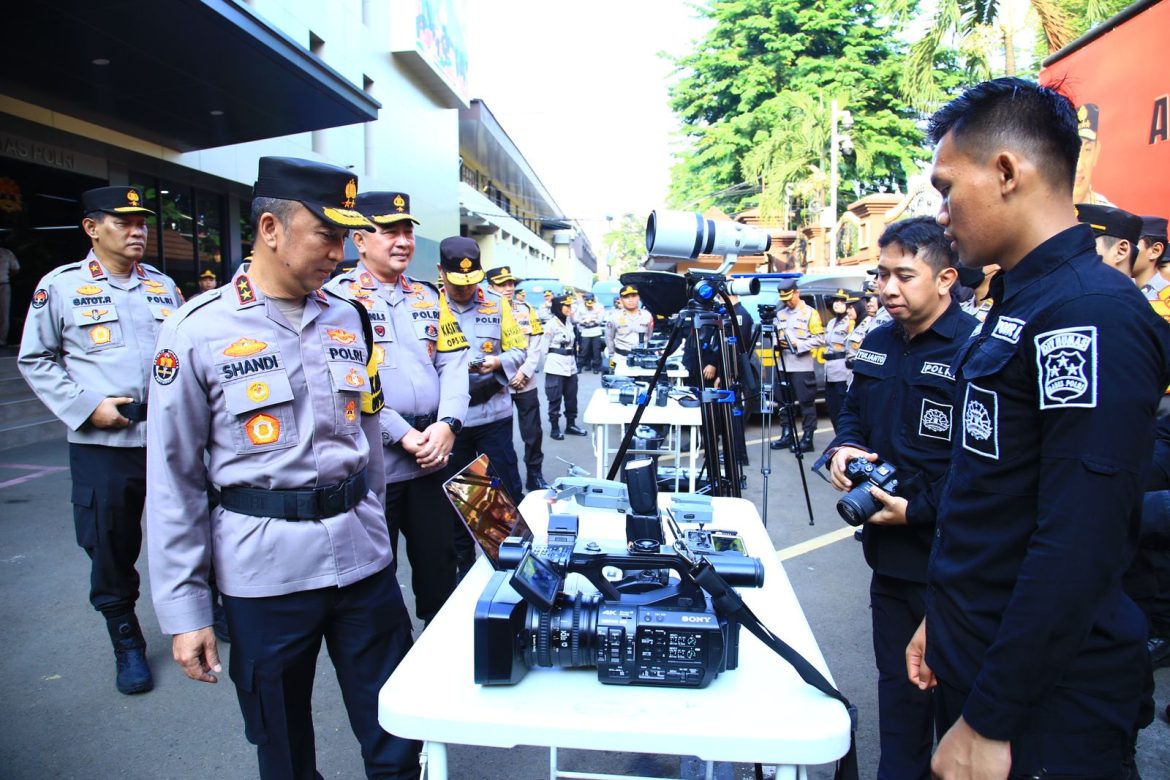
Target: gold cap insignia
x: 465, y: 265
x: 350, y: 193
x: 399, y: 203
x: 132, y: 197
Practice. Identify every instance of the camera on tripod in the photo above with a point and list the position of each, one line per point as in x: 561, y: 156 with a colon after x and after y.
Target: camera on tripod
x: 641, y: 627
x: 857, y: 506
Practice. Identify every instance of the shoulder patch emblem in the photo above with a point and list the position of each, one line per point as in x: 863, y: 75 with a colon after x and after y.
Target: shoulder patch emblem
x: 1066, y: 362
x: 244, y: 346
x: 166, y: 367
x: 244, y: 290
x: 981, y: 422
x: 1008, y: 329
x: 95, y: 269
x: 40, y: 298
x: 935, y: 420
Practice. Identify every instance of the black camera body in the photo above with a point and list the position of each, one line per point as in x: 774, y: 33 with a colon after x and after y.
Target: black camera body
x: 857, y: 506
x: 643, y: 629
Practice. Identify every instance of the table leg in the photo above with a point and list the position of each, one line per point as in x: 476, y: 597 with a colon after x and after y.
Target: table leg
x: 435, y: 760
x: 692, y: 468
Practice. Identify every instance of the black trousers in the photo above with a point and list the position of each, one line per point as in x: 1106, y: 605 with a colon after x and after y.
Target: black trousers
x: 109, y: 490
x: 275, y: 644
x: 418, y: 508
x: 493, y: 439
x: 1072, y: 733
x: 905, y: 714
x: 804, y: 392
x: 590, y: 351
x: 835, y: 400
x: 557, y: 388
x: 531, y: 431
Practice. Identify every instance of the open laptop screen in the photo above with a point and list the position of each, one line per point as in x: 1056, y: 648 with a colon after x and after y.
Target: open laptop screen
x: 479, y: 498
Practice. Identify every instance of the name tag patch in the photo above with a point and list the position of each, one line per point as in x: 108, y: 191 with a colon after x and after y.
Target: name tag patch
x: 935, y: 420
x: 938, y: 369
x: 1008, y: 329
x: 981, y: 421
x: 1066, y: 360
x: 877, y: 358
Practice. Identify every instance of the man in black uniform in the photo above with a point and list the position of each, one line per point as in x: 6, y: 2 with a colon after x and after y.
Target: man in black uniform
x: 1116, y: 232
x: 1035, y: 649
x: 900, y: 409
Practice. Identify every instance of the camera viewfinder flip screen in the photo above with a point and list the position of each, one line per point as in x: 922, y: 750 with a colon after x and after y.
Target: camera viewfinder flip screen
x: 488, y: 512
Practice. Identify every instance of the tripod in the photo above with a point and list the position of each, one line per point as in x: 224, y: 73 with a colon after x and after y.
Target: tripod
x: 718, y: 405
x: 769, y: 382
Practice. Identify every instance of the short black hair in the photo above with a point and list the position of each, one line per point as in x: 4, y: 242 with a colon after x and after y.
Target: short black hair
x: 281, y: 209
x: 96, y: 216
x: 924, y: 238
x: 1038, y: 120
x: 1110, y: 243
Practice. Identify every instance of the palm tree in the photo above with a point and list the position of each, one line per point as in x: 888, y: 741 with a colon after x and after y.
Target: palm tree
x: 981, y: 28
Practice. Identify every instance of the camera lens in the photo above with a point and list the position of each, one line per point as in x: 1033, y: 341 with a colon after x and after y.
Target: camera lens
x: 564, y: 636
x: 857, y: 506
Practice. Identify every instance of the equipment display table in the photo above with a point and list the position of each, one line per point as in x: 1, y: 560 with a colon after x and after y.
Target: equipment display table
x: 602, y: 413
x: 622, y: 368
x: 761, y: 712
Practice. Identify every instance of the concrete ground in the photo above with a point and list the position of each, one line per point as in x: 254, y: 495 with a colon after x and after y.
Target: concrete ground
x: 64, y: 719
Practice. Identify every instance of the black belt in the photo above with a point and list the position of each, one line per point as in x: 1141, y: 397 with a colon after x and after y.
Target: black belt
x: 560, y: 351
x: 420, y: 422
x: 834, y: 356
x: 621, y: 351
x: 481, y: 394
x: 311, y: 504
x: 134, y: 411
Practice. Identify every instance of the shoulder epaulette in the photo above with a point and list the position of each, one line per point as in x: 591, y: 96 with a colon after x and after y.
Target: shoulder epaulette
x: 63, y: 268
x: 198, y: 302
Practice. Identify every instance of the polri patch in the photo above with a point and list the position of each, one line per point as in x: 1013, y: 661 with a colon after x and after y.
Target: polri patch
x: 1008, y: 329
x: 166, y: 367
x: 1066, y: 362
x: 40, y: 298
x: 981, y: 421
x: 931, y: 368
x: 935, y: 420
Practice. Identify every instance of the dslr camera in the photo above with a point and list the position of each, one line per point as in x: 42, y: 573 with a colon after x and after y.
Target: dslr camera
x: 857, y: 506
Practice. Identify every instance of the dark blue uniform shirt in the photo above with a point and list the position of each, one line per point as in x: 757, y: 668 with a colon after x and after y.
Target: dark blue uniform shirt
x: 1038, y: 515
x: 901, y: 406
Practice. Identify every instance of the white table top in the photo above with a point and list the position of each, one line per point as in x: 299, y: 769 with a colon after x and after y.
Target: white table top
x: 760, y: 712
x: 602, y: 411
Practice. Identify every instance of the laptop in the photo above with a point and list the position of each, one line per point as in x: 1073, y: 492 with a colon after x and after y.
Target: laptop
x: 478, y: 495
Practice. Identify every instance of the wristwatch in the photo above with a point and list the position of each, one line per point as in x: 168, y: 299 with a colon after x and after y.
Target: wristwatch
x: 455, y: 425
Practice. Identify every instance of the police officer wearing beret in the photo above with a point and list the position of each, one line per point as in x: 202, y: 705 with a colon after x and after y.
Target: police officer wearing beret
x: 900, y: 408
x: 1151, y: 260
x: 1116, y: 233
x: 498, y: 349
x: 86, y: 351
x: 424, y: 381
x: 522, y: 385
x: 1037, y: 653
x: 271, y: 377
x: 799, y: 332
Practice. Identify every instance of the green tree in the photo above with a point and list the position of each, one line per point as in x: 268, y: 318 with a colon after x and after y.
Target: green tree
x: 625, y: 245
x: 753, y: 99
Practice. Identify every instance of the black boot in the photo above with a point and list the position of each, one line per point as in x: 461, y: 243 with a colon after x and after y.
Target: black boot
x: 573, y: 430
x: 536, y: 481
x: 555, y: 433
x: 785, y: 440
x: 806, y: 441
x: 130, y: 655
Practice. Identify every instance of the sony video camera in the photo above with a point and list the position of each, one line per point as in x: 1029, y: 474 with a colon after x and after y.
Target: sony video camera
x: 857, y: 506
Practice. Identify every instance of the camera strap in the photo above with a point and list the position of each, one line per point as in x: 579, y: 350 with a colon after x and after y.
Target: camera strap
x: 729, y: 604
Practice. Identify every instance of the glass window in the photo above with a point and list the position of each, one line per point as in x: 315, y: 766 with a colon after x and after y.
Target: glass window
x: 177, y: 234
x: 209, y: 233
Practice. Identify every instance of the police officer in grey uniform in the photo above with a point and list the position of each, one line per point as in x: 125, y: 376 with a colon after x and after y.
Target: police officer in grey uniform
x: 837, y: 372
x: 86, y: 352
x: 424, y: 381
x: 271, y: 377
x: 496, y: 355
x: 560, y: 370
x: 590, y: 320
x: 629, y: 326
x: 522, y: 385
x: 799, y: 332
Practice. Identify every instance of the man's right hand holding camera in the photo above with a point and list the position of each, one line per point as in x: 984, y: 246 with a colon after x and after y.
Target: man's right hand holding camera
x: 841, y: 458
x: 893, y: 511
